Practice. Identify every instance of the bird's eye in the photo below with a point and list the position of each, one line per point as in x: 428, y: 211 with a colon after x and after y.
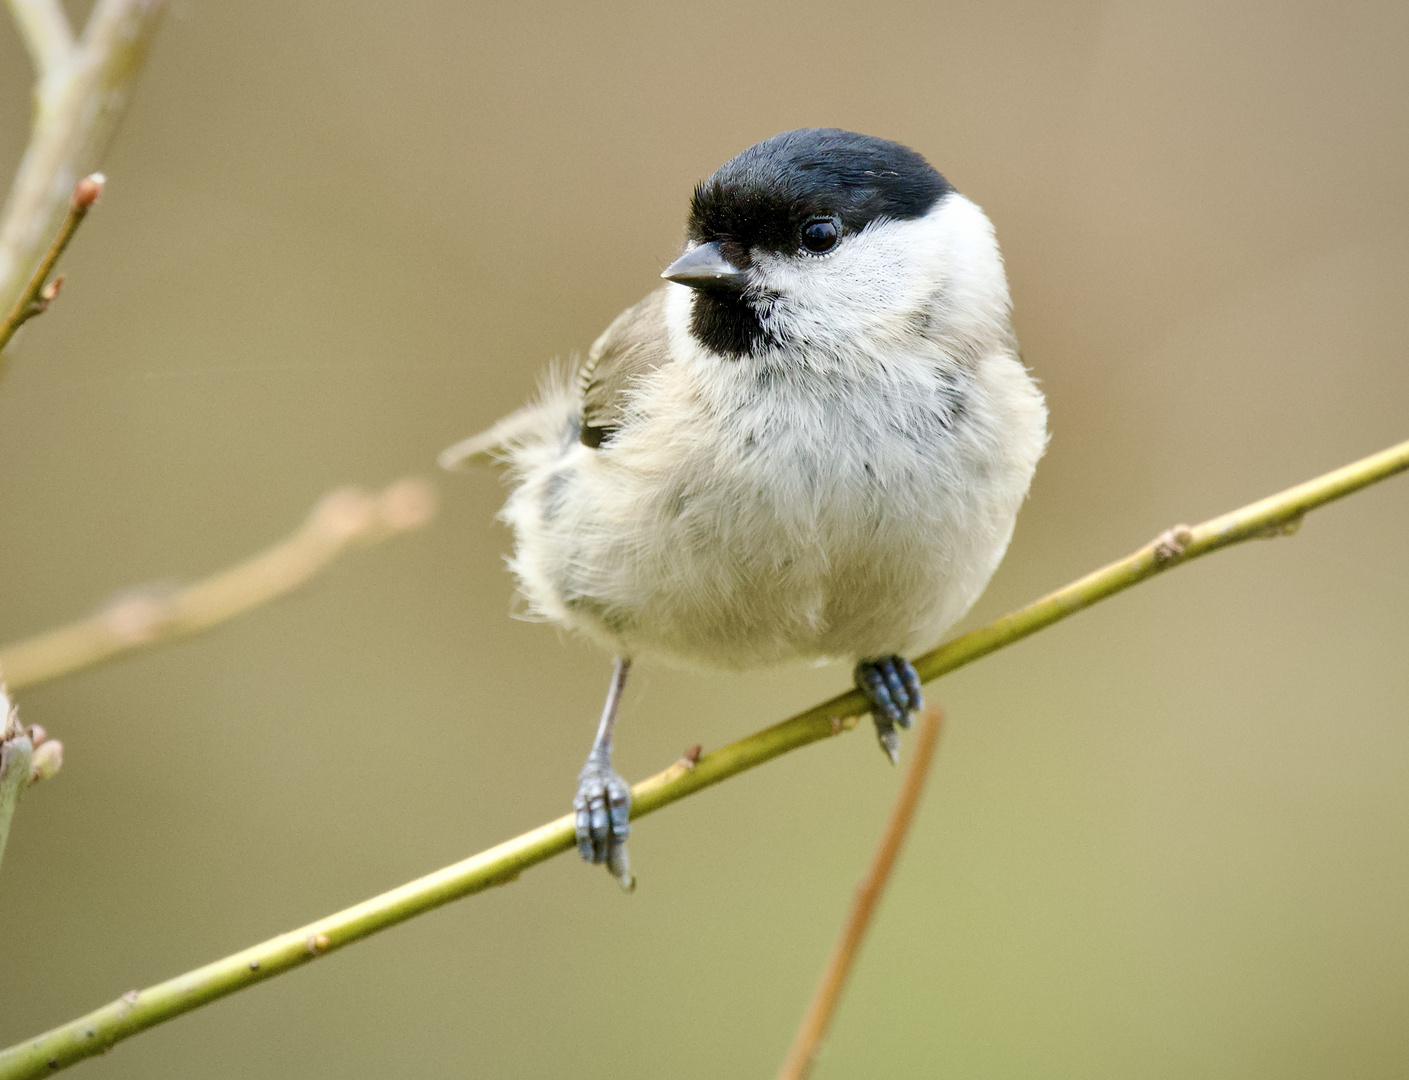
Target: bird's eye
x: 820, y: 235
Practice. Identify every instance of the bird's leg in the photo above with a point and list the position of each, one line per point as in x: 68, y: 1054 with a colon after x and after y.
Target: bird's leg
x: 603, y: 800
x: 892, y: 687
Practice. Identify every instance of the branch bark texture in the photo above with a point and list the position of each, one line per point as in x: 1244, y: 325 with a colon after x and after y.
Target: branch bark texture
x: 138, y: 1010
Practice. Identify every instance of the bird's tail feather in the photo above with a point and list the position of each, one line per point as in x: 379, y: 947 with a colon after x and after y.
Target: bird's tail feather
x: 535, y: 422
x: 480, y: 449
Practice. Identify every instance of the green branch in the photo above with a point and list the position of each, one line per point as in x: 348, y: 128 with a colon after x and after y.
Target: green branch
x: 138, y: 1010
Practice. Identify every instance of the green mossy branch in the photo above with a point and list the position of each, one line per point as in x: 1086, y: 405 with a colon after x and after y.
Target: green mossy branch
x: 138, y: 1010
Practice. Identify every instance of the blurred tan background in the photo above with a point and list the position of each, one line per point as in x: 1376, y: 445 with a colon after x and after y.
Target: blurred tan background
x: 1169, y: 838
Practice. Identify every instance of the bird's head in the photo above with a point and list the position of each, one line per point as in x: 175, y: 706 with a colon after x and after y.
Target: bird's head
x: 818, y: 238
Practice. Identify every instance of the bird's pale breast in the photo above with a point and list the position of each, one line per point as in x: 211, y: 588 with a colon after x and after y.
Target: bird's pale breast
x: 751, y: 514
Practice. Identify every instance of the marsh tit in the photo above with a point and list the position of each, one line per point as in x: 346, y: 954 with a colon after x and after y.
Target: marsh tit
x: 810, y: 444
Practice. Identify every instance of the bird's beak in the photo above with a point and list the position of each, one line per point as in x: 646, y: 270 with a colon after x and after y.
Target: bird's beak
x: 705, y: 267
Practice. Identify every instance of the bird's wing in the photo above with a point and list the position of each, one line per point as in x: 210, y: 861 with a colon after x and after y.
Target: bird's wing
x: 632, y: 345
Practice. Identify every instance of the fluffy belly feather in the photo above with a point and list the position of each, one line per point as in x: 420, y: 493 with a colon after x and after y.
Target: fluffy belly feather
x: 779, y: 526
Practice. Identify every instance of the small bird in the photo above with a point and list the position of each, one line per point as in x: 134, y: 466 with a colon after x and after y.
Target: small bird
x: 810, y: 444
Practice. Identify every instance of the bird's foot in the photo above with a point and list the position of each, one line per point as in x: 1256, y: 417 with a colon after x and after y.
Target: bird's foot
x: 603, y: 818
x: 892, y: 687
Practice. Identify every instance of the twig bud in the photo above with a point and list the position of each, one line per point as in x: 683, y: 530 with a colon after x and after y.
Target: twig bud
x: 47, y: 760
x: 87, y: 190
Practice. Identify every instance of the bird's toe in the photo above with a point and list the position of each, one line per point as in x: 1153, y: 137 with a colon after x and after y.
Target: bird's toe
x: 892, y: 686
x: 602, y: 817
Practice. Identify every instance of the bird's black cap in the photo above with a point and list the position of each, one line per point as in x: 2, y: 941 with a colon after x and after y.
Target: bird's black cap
x: 763, y: 197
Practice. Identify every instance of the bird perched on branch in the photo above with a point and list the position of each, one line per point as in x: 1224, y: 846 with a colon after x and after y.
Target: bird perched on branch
x: 810, y: 444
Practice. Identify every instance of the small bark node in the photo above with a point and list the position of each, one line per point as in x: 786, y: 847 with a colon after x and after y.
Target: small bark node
x: 1172, y: 543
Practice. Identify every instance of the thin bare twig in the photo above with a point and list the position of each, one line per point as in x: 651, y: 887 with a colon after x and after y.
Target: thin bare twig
x: 82, y: 93
x: 138, y: 1010
x: 342, y: 519
x: 37, y: 296
x: 807, y: 1043
x: 46, y: 32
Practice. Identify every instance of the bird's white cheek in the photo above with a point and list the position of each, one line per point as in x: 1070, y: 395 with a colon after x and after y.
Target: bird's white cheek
x: 859, y: 288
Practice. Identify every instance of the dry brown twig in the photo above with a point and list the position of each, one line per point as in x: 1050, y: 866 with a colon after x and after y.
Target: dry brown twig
x: 807, y: 1043
x: 342, y: 519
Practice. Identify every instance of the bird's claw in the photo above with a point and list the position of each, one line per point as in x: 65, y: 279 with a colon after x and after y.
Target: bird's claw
x: 892, y: 686
x: 602, y: 808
